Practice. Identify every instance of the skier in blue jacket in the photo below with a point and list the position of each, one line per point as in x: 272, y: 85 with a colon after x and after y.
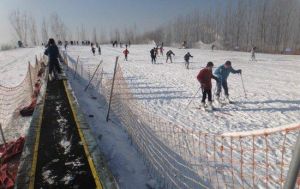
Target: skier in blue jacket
x: 222, y: 73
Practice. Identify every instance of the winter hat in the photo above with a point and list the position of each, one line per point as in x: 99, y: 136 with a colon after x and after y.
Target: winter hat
x: 210, y: 64
x: 228, y: 63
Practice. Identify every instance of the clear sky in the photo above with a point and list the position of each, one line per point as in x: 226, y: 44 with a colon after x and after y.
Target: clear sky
x: 107, y: 14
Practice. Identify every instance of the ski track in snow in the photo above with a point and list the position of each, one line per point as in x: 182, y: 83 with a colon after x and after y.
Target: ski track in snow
x: 271, y: 83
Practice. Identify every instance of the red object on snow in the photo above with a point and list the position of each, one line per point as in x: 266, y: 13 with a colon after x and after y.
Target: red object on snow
x: 10, y: 162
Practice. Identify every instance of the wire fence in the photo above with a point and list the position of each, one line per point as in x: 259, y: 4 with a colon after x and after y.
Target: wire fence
x: 12, y: 99
x: 183, y: 157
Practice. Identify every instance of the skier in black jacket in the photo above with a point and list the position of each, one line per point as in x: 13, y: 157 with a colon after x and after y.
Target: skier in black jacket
x: 53, y: 55
x: 153, y: 55
x: 187, y: 60
x: 169, y: 55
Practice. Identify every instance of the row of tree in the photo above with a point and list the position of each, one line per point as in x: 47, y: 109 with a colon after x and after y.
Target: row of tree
x: 270, y: 25
x: 30, y: 32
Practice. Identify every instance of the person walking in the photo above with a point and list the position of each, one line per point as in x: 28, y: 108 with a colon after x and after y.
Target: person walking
x: 53, y: 55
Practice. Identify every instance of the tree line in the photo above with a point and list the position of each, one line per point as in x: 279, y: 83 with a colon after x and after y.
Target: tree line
x: 269, y: 25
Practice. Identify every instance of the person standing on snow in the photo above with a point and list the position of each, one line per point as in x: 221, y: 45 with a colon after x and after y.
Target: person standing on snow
x: 126, y: 52
x: 187, y: 60
x: 222, y: 73
x: 93, y: 49
x: 161, y: 50
x: 153, y: 55
x: 53, y: 55
x: 169, y: 55
x: 99, y: 50
x: 204, y: 77
x: 253, y: 54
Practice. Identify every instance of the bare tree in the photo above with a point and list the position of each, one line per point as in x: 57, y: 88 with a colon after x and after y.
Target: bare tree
x: 33, y: 31
x: 44, y: 31
x: 19, y: 22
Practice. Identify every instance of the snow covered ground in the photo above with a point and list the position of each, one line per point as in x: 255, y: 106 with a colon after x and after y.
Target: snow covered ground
x: 272, y: 99
x: 14, y: 64
x: 271, y: 82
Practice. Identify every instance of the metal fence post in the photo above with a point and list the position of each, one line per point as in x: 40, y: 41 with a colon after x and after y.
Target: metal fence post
x: 93, y: 75
x: 75, y: 71
x: 112, y: 89
x: 294, y: 167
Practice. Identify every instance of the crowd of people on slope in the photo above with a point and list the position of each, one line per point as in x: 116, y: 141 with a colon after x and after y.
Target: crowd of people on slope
x: 204, y: 77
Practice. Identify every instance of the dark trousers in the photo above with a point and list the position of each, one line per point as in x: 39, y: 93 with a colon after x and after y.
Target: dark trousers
x: 54, y: 65
x: 126, y: 57
x: 221, y: 84
x: 206, y: 93
x: 153, y: 59
x: 169, y: 57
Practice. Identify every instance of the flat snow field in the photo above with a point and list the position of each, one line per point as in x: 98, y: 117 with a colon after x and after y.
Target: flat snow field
x: 14, y: 64
x: 272, y: 85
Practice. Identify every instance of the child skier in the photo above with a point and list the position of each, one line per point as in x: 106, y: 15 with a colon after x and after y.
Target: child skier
x: 153, y: 55
x: 222, y: 73
x: 187, y: 60
x: 169, y: 55
x: 204, y: 77
x: 161, y: 50
x: 126, y: 52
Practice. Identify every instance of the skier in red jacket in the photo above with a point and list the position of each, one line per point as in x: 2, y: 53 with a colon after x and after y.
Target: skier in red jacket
x: 126, y: 52
x: 204, y: 77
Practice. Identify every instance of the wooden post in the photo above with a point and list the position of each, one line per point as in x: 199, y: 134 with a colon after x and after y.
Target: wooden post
x: 93, y: 75
x: 31, y: 83
x: 2, y: 135
x: 112, y: 89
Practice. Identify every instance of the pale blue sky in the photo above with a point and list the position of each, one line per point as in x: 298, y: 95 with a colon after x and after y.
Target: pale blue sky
x: 108, y: 14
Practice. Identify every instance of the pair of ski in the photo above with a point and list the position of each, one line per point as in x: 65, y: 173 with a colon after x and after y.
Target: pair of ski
x: 219, y: 104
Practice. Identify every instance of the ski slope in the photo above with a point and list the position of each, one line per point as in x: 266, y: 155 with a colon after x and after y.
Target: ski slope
x: 271, y: 83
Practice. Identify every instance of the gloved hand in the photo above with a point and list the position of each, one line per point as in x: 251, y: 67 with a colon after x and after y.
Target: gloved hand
x: 239, y: 71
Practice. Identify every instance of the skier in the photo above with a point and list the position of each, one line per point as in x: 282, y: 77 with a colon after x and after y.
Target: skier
x: 169, y: 55
x: 187, y: 60
x: 212, y: 47
x: 204, y: 77
x: 253, y: 54
x: 222, y: 73
x: 153, y: 55
x: 93, y: 49
x: 53, y: 54
x: 126, y: 52
x: 161, y: 50
x: 99, y: 50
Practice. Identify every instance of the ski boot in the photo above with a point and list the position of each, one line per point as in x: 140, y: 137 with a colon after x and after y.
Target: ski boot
x: 210, y: 106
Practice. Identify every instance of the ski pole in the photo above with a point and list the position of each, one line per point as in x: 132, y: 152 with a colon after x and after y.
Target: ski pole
x: 193, y: 98
x: 243, y: 86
